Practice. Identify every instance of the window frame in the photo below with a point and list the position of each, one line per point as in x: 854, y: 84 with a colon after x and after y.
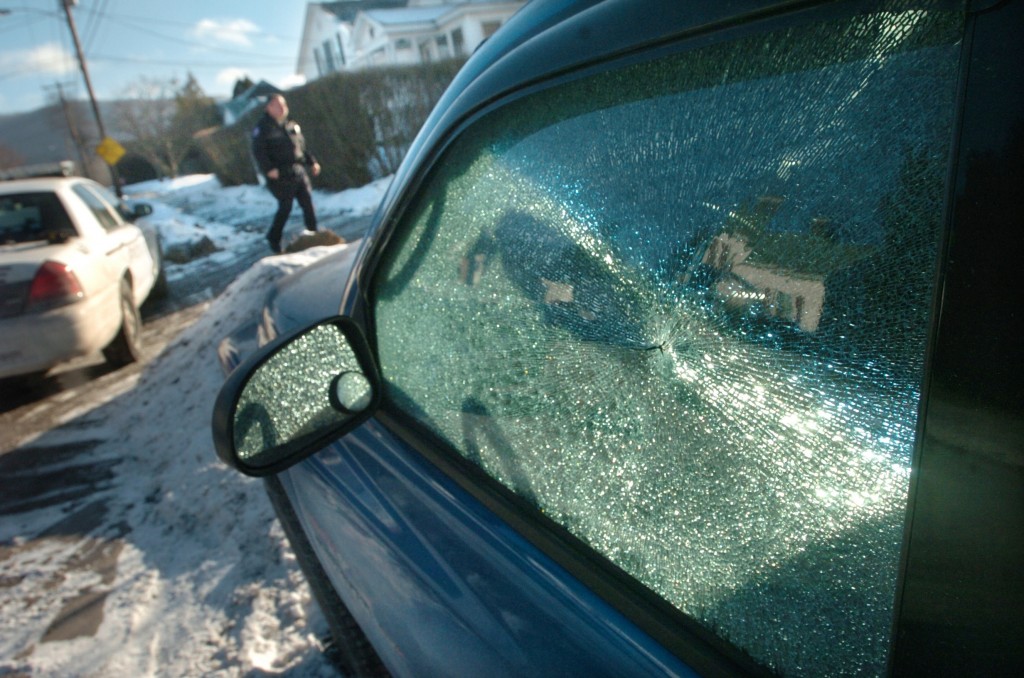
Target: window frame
x: 937, y: 629
x: 82, y: 191
x: 706, y: 652
x: 65, y: 224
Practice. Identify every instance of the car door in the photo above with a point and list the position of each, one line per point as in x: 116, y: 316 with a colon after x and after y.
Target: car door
x: 123, y: 244
x: 653, y: 334
x: 146, y: 253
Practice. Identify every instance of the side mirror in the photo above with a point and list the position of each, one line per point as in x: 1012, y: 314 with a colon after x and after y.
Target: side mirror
x: 141, y: 209
x: 295, y: 395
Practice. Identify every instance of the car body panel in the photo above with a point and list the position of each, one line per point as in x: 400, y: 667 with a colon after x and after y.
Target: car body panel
x: 58, y: 335
x: 402, y: 543
x: 100, y: 258
x: 309, y: 294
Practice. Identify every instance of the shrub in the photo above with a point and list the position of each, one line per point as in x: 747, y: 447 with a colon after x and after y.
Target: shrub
x: 359, y: 125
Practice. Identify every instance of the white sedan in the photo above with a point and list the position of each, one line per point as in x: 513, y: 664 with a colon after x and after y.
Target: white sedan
x: 74, y: 270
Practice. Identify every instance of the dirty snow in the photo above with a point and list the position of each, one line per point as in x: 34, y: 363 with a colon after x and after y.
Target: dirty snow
x: 191, y: 570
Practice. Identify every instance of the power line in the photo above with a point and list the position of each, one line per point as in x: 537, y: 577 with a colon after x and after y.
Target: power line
x: 33, y: 22
x: 28, y: 19
x: 102, y: 14
x: 187, y: 24
x: 183, y: 41
x: 92, y: 29
x: 19, y: 22
x: 270, y: 61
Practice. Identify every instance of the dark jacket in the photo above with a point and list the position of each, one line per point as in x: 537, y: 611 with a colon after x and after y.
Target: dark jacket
x: 280, y: 147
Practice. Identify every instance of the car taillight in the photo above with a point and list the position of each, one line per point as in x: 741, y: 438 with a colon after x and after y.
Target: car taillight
x: 54, y: 285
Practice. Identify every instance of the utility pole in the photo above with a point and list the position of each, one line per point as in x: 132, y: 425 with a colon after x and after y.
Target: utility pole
x: 66, y: 4
x: 72, y: 128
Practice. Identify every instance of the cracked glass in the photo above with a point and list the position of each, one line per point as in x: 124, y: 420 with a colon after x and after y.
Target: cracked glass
x: 288, y: 400
x: 682, y: 307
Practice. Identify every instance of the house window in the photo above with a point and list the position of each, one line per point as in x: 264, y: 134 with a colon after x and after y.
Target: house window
x: 443, y: 52
x: 490, y: 27
x: 458, y: 42
x: 403, y: 43
x: 319, y: 58
x: 329, y: 57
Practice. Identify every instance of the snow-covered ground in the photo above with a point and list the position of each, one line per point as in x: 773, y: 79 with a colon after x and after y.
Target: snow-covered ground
x: 189, y: 568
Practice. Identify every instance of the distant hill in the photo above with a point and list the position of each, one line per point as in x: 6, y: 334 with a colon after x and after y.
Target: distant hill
x: 44, y: 136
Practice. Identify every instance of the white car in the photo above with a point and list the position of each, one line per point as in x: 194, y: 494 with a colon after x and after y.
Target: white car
x: 74, y: 271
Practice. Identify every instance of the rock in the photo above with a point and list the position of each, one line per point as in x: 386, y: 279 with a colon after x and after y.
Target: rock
x: 315, y: 239
x: 186, y: 252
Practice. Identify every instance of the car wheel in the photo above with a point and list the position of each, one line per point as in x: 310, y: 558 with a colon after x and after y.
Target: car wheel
x: 30, y: 383
x: 126, y: 346
x: 160, y: 288
x: 350, y: 650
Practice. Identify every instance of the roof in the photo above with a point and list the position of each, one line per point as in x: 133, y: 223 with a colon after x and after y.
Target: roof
x: 805, y: 253
x: 248, y: 99
x: 409, y: 15
x: 346, y: 10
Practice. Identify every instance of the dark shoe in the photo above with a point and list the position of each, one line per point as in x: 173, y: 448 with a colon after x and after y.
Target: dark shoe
x: 275, y: 247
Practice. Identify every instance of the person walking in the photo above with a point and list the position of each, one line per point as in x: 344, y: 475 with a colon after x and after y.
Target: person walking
x: 280, y: 153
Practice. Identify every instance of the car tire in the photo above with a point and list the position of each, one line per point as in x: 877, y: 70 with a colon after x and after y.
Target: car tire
x: 349, y: 649
x: 160, y: 287
x: 31, y: 383
x: 126, y: 346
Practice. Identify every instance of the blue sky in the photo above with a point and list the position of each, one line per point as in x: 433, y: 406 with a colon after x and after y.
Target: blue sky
x: 129, y: 41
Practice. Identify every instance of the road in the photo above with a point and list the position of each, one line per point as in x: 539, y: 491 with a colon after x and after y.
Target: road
x: 52, y: 452
x: 28, y: 412
x: 53, y: 461
x: 66, y: 473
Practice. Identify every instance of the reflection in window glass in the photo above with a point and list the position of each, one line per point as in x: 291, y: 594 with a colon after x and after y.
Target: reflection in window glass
x: 101, y: 210
x: 682, y: 308
x: 287, y: 401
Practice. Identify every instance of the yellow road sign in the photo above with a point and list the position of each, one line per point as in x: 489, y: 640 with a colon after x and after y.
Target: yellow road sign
x: 110, y: 151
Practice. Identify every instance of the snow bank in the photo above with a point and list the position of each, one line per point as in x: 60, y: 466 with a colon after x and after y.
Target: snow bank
x: 191, y: 570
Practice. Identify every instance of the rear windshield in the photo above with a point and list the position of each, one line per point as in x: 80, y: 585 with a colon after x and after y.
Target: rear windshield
x: 27, y: 217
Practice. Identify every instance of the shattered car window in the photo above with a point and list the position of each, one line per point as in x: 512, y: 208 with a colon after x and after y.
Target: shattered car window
x: 682, y: 308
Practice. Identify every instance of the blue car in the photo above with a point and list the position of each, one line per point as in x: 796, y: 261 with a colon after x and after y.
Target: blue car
x: 686, y: 341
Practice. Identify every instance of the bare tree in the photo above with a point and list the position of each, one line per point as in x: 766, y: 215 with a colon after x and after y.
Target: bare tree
x: 76, y: 121
x: 161, y: 118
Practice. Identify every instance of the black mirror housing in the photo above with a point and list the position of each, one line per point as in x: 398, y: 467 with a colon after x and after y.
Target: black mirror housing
x: 141, y: 209
x: 295, y: 395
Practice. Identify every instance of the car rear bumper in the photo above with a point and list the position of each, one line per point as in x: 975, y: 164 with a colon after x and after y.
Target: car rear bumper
x: 35, y: 342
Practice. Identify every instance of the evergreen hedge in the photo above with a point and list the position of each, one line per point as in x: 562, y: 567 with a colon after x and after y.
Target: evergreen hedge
x: 358, y: 125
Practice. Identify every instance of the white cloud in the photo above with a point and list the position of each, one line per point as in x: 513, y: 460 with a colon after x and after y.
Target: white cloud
x: 292, y: 80
x: 229, y: 76
x: 229, y: 32
x: 48, y: 59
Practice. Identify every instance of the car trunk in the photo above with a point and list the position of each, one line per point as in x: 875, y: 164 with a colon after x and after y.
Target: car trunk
x: 18, y: 267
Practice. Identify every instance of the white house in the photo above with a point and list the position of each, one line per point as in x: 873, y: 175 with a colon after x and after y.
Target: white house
x: 355, y: 34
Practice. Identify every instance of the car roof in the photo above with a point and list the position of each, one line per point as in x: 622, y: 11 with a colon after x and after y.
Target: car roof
x: 547, y: 37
